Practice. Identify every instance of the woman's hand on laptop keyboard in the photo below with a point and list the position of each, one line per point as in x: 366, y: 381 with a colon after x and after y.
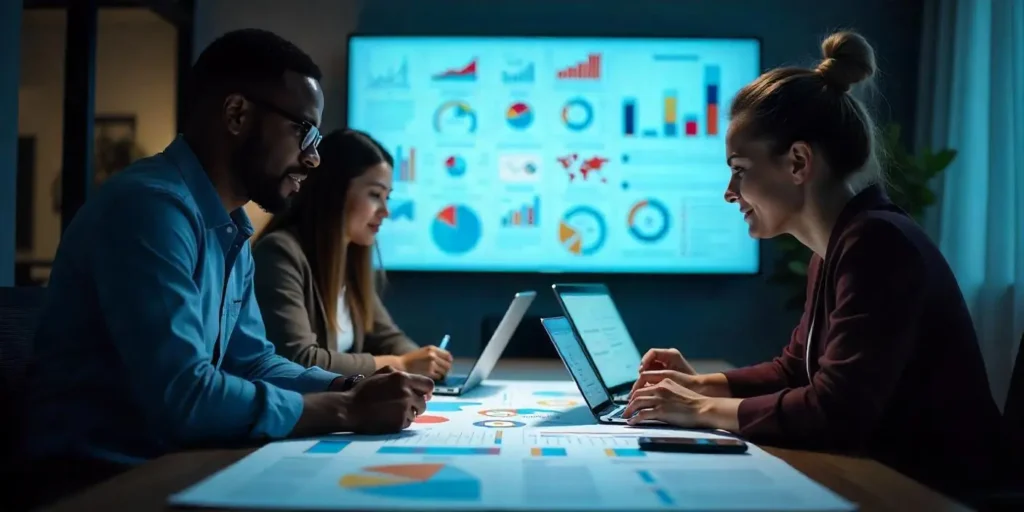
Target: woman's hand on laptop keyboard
x: 665, y: 359
x: 675, y: 404
x: 707, y: 384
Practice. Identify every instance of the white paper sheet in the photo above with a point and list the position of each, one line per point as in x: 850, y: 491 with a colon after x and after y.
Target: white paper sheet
x: 511, y: 446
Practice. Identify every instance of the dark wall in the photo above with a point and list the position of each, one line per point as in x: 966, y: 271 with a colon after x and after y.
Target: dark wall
x: 10, y: 57
x: 740, y: 319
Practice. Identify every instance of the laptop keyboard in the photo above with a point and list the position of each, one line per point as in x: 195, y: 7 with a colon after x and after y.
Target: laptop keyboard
x: 452, y: 380
x: 617, y: 412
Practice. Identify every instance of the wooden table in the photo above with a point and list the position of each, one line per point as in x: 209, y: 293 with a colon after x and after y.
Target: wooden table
x: 868, y: 483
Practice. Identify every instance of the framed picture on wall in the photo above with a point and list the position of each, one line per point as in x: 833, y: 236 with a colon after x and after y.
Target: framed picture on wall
x: 114, y: 136
x: 115, y: 145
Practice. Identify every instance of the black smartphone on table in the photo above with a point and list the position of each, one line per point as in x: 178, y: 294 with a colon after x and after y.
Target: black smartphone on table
x: 692, y: 445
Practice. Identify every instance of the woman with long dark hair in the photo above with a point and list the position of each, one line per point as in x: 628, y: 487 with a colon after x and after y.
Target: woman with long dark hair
x: 315, y: 281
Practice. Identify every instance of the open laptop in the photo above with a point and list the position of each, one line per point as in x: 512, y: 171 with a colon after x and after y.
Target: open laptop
x: 455, y: 385
x: 595, y: 320
x: 571, y: 350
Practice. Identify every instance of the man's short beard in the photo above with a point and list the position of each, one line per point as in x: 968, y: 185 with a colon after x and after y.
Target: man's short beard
x: 247, y: 164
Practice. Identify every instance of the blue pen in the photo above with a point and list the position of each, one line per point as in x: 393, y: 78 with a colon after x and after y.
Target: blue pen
x: 444, y: 341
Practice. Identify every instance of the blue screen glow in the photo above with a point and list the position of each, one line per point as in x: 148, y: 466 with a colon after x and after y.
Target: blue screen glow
x: 555, y: 154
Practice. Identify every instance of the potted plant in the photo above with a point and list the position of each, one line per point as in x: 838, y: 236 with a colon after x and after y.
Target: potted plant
x: 908, y: 177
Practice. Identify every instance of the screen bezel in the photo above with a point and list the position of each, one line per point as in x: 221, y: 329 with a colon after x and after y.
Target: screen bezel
x: 488, y: 359
x: 607, y: 402
x: 592, y: 289
x: 759, y: 246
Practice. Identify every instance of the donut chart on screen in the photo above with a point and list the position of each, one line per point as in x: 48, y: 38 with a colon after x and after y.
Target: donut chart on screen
x: 577, y: 114
x: 648, y: 220
x: 582, y: 231
x: 456, y: 229
x: 455, y: 116
x: 555, y: 154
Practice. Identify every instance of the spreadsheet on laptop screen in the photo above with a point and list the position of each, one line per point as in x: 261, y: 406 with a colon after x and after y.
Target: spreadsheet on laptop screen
x: 604, y: 334
x: 576, y: 361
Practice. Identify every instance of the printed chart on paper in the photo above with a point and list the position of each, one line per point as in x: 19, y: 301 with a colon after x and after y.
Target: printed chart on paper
x: 507, y: 446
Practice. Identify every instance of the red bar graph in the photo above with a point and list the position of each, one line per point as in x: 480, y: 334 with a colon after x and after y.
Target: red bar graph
x: 524, y: 216
x: 712, y: 79
x: 587, y: 70
x: 405, y: 170
x: 691, y: 125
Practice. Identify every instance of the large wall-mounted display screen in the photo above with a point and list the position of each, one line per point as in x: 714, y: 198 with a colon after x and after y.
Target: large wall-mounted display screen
x: 526, y: 154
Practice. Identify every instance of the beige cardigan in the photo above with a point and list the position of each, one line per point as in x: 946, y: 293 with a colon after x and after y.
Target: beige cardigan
x: 293, y: 312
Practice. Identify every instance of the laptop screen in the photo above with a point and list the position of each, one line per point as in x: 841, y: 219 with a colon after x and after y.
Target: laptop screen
x: 571, y: 352
x: 605, y: 336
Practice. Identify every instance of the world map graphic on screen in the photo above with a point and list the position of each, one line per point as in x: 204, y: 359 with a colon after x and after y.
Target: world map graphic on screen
x: 533, y: 154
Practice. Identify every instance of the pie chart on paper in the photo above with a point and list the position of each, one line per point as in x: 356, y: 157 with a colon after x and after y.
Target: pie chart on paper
x: 456, y: 229
x: 430, y: 419
x: 419, y: 482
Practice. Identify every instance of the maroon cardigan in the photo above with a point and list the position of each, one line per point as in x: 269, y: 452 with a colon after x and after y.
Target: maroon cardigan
x: 895, y: 370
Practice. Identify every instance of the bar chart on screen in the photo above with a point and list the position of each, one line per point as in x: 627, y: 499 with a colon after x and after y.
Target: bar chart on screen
x: 688, y: 112
x: 589, y: 69
x: 524, y: 216
x: 405, y: 165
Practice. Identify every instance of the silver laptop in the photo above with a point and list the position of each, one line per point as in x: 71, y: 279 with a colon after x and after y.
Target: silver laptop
x: 455, y: 385
x: 595, y: 320
x: 571, y: 350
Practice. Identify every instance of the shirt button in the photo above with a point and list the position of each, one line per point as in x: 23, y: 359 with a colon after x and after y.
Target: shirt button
x: 231, y: 229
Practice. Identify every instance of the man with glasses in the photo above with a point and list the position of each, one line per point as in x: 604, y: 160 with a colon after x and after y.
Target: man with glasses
x: 151, y: 340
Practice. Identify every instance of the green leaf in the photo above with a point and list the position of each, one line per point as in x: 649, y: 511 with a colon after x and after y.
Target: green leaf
x: 892, y: 132
x: 798, y: 267
x: 928, y: 197
x: 938, y: 162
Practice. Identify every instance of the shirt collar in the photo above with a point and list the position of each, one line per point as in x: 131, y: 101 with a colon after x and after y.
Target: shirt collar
x: 873, y: 197
x: 202, y: 190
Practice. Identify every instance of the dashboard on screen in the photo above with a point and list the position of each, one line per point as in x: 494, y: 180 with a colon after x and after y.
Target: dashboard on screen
x: 531, y: 154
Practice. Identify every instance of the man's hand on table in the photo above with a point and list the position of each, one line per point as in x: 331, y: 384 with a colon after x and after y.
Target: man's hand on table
x: 383, y: 403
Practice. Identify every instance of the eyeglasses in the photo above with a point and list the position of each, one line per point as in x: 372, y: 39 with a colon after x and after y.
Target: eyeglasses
x: 311, y: 134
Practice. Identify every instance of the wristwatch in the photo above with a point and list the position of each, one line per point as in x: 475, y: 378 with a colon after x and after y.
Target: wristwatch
x: 350, y: 382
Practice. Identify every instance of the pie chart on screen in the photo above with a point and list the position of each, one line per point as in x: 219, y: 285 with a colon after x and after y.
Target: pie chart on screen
x: 456, y: 229
x: 582, y: 231
x: 455, y: 165
x: 519, y: 115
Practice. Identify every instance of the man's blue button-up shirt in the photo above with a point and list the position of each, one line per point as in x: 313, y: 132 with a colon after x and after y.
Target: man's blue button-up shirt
x: 151, y: 339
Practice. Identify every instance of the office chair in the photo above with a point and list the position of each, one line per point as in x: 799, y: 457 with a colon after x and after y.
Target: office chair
x: 19, y: 313
x: 1010, y: 496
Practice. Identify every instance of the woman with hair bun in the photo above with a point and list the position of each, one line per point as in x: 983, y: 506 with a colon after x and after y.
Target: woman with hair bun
x: 885, y: 361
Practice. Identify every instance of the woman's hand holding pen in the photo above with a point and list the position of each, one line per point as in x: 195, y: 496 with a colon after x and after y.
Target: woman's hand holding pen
x: 430, y: 361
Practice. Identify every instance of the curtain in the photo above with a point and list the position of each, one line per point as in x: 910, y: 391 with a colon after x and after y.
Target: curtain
x: 972, y: 100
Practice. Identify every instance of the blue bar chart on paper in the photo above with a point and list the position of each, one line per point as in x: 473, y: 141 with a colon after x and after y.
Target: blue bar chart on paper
x: 525, y: 445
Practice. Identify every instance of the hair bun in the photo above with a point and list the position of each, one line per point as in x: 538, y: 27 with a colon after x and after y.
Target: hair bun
x: 848, y: 59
